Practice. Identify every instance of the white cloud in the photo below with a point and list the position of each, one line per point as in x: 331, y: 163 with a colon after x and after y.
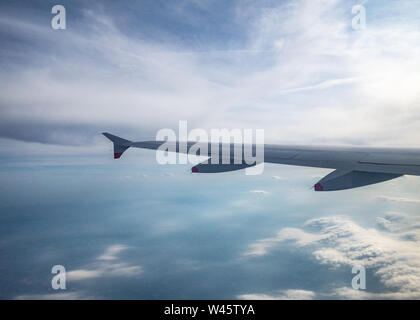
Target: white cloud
x: 349, y: 293
x: 384, y: 223
x: 281, y: 295
x: 82, y: 274
x: 399, y: 199
x: 338, y: 241
x: 259, y: 191
x: 261, y: 247
x: 112, y: 252
x: 106, y: 265
x: 278, y: 178
x: 280, y: 79
x: 75, y: 295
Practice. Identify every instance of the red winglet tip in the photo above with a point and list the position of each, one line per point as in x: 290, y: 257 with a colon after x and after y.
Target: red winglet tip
x: 194, y: 169
x: 318, y: 187
x: 117, y: 155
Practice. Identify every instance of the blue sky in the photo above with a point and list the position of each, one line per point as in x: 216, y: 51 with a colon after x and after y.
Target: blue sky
x: 134, y: 229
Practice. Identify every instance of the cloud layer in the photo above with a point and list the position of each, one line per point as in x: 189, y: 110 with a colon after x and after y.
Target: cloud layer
x: 392, y: 255
x: 106, y: 266
x: 291, y: 68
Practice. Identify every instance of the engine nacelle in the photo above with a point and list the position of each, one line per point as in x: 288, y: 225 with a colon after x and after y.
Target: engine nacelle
x: 221, y: 167
x: 342, y: 179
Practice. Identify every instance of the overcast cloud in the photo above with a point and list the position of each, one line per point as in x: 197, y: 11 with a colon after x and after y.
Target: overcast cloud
x: 296, y: 69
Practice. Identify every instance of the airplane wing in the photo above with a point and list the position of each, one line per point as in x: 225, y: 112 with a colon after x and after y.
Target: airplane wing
x: 354, y: 166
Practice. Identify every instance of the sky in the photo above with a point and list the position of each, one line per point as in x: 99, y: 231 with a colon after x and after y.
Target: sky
x: 135, y: 229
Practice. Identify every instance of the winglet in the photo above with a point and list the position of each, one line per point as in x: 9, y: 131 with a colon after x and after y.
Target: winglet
x: 120, y: 144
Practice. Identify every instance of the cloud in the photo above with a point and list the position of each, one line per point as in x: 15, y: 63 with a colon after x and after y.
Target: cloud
x: 281, y: 295
x: 111, y: 252
x: 106, y: 265
x: 75, y: 295
x: 288, y: 68
x: 169, y: 174
x: 399, y: 199
x: 278, y: 178
x: 338, y: 241
x: 259, y: 191
x: 384, y: 223
x: 261, y: 247
x: 83, y: 274
x: 406, y: 227
x: 349, y: 293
